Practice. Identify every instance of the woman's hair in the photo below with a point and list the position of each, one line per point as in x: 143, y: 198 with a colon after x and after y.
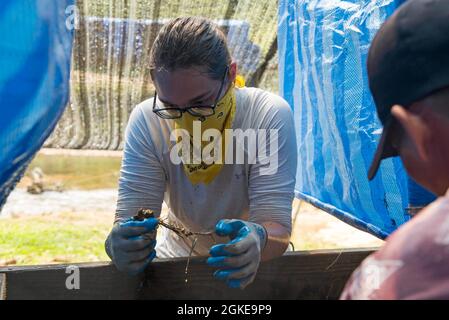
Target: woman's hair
x: 190, y: 42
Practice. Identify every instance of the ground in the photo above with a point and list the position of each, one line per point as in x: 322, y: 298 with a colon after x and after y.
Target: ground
x: 71, y: 226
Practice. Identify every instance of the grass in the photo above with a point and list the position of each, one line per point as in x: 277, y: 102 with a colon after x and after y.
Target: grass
x: 61, y: 238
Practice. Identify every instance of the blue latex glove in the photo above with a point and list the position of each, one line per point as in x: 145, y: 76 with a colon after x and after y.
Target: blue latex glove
x: 239, y: 259
x: 132, y: 245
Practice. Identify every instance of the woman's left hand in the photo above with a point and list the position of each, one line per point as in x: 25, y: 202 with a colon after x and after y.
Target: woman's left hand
x: 239, y: 259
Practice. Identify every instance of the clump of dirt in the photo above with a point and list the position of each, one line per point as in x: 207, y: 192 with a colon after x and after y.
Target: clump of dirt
x: 143, y: 214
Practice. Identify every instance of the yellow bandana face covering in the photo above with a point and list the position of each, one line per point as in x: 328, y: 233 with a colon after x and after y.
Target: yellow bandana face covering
x: 221, y: 120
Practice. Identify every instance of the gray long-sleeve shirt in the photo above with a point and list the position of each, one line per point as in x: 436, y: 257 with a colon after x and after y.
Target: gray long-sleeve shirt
x: 241, y: 191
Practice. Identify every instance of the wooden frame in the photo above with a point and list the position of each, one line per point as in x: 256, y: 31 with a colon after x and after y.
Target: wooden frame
x: 2, y: 286
x: 296, y: 275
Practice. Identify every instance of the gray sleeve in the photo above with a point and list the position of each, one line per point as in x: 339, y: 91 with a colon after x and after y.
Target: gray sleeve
x: 272, y: 179
x: 142, y: 178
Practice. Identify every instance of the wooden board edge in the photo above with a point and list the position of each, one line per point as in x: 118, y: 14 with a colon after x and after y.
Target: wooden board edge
x: 3, y: 286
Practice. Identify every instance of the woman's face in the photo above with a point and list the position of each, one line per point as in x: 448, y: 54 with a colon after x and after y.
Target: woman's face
x: 185, y: 87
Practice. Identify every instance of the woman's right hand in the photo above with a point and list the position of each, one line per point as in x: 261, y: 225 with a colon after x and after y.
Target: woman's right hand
x: 132, y: 245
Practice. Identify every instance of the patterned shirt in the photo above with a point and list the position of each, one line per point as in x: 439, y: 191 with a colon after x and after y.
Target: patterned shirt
x: 413, y: 264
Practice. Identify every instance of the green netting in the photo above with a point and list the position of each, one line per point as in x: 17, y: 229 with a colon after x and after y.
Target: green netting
x: 110, y: 72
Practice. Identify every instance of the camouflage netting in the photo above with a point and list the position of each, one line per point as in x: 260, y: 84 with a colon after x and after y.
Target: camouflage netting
x: 110, y: 59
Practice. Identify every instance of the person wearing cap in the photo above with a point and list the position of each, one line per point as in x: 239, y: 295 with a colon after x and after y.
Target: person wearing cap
x: 408, y: 70
x: 243, y: 205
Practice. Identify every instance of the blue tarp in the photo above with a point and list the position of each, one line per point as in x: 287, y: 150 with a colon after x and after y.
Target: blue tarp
x: 323, y: 47
x: 35, y: 51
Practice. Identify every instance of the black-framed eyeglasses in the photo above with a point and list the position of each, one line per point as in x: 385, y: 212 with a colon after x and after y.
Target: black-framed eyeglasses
x: 169, y: 112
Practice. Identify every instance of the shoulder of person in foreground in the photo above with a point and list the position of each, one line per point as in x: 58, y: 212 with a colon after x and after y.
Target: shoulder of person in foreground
x: 413, y: 262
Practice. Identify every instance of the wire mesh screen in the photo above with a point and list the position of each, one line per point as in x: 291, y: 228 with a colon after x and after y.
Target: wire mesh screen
x: 110, y: 73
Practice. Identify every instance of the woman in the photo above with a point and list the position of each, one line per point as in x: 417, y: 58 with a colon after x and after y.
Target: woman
x: 180, y: 148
